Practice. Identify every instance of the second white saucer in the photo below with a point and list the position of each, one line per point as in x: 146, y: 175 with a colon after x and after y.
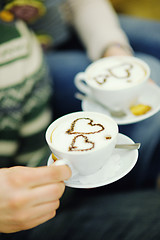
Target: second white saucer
x: 150, y: 96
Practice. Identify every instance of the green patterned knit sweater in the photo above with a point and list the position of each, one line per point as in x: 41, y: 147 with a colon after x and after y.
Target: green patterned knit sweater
x: 24, y: 97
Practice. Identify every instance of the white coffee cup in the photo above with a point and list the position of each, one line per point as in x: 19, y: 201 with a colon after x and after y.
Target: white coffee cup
x: 114, y: 81
x: 82, y: 140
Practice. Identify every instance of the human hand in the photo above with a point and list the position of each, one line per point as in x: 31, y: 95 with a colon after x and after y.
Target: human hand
x: 117, y: 50
x: 30, y: 196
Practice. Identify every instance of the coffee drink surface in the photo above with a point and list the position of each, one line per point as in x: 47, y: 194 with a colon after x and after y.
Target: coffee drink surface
x: 82, y: 132
x: 116, y: 73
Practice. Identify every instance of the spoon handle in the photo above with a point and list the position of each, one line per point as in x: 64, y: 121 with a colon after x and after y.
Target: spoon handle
x: 128, y: 146
x: 114, y: 113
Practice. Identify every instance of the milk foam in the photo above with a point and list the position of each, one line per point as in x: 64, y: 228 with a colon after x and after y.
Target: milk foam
x: 75, y: 134
x: 116, y: 73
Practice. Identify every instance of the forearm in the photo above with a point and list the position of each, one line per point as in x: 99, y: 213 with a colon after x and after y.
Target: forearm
x: 97, y: 25
x: 116, y: 49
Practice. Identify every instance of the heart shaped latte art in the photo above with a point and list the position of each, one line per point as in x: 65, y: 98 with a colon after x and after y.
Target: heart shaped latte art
x: 101, y: 79
x: 121, y: 71
x: 81, y: 143
x: 90, y: 128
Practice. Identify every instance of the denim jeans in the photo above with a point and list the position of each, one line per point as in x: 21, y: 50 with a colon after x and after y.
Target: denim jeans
x: 143, y: 34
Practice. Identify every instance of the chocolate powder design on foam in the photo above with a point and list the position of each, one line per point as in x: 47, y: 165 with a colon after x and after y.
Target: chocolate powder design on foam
x: 128, y: 73
x: 73, y: 146
x: 111, y: 71
x: 104, y: 79
x: 108, y: 137
x: 71, y: 130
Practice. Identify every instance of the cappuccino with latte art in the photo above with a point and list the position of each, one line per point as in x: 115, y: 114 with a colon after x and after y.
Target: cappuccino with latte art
x: 85, y: 139
x: 117, y: 74
x: 84, y: 133
x: 116, y: 81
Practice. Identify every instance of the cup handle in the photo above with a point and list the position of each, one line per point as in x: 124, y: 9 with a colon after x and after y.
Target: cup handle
x: 64, y: 161
x: 81, y: 84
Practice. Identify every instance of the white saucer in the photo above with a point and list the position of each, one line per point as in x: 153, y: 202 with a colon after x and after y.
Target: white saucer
x: 150, y: 96
x: 118, y: 165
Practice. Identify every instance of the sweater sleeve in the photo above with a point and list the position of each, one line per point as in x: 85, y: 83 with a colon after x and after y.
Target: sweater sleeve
x: 24, y: 97
x: 97, y: 25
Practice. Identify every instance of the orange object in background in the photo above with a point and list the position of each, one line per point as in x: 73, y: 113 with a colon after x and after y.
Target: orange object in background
x: 6, y: 16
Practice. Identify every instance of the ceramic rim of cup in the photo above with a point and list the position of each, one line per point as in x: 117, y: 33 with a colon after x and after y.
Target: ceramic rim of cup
x: 51, y: 126
x: 141, y: 62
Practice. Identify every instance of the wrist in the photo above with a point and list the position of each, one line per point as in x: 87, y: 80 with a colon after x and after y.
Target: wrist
x: 115, y: 49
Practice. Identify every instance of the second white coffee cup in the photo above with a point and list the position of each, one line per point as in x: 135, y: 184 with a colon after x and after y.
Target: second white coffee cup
x: 115, y: 81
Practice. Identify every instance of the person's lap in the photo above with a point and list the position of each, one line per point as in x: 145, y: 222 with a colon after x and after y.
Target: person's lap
x: 64, y: 66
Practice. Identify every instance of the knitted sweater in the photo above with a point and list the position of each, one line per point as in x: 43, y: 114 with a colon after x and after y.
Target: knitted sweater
x: 24, y: 97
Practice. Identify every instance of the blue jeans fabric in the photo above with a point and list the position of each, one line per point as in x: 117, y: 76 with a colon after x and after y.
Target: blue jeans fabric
x: 143, y: 34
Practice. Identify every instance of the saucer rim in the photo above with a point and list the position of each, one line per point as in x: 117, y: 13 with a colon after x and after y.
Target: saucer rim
x: 134, y: 119
x: 74, y: 184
